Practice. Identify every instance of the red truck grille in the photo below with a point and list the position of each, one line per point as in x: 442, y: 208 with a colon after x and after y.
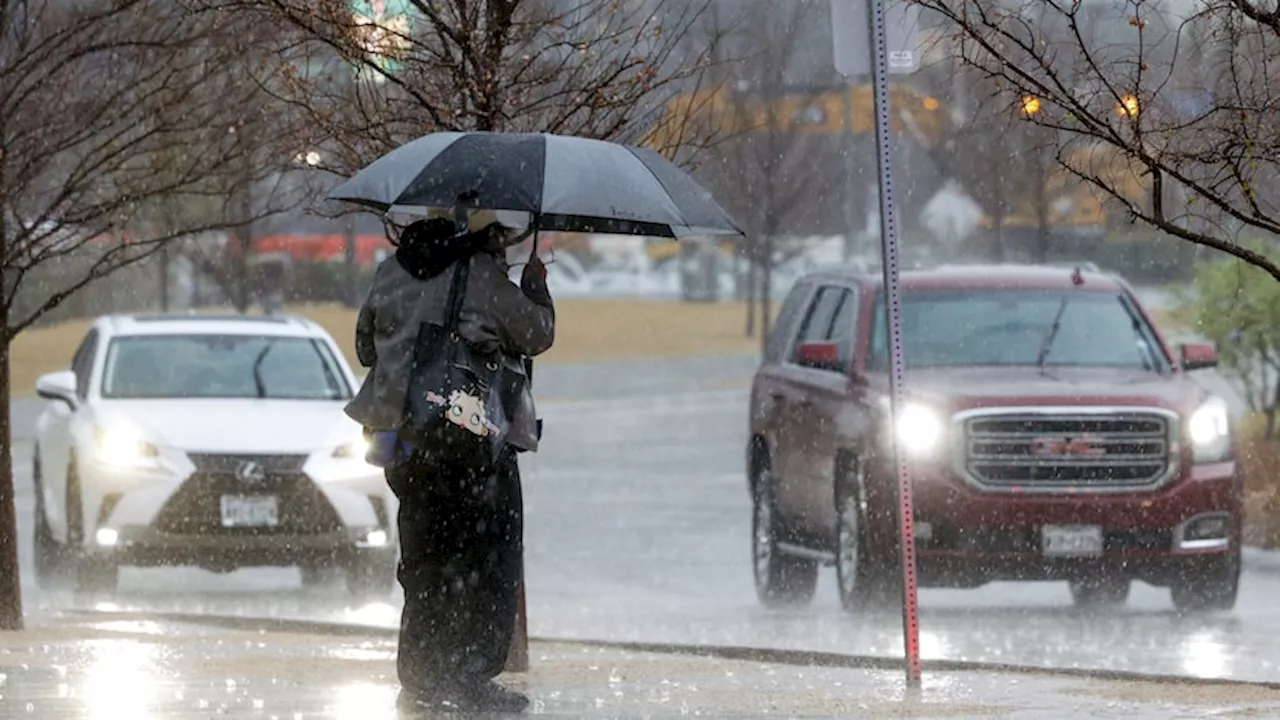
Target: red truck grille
x: 1106, y: 452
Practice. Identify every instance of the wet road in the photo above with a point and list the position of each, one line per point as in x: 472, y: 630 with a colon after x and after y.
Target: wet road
x: 638, y: 529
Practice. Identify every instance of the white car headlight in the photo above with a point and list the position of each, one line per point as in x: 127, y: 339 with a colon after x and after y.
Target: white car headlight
x: 122, y: 445
x: 918, y: 428
x: 1209, y: 431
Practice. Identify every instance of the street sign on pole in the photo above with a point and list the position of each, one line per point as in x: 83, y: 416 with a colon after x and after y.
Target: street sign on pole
x: 850, y: 33
x: 878, y: 33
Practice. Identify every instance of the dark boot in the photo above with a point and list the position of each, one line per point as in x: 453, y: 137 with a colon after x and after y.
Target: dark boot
x: 494, y: 698
x: 432, y: 701
x: 488, y: 699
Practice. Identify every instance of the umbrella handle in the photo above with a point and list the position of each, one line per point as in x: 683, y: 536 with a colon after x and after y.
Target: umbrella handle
x: 461, y: 218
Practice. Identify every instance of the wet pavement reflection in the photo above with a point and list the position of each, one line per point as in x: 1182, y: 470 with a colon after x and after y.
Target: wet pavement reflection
x: 137, y: 669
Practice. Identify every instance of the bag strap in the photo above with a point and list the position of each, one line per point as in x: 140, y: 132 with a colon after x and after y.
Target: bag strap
x: 457, y: 294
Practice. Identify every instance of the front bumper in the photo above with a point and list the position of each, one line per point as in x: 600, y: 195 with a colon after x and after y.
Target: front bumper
x: 146, y: 548
x: 172, y: 514
x: 966, y: 537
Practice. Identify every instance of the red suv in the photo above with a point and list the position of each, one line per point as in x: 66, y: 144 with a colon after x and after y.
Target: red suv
x: 1050, y: 432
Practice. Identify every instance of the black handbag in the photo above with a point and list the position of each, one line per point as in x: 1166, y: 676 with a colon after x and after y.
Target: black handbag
x: 460, y: 400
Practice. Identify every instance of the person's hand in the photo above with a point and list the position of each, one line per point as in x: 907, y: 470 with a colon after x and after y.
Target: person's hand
x: 535, y: 269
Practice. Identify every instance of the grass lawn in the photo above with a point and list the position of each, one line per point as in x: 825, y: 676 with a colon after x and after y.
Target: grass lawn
x: 587, y: 331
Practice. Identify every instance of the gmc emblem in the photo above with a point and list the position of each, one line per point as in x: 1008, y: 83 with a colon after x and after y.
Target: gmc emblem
x: 1053, y: 445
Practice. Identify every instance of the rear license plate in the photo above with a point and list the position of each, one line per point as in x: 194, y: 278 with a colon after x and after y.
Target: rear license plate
x: 250, y: 511
x: 1071, y: 540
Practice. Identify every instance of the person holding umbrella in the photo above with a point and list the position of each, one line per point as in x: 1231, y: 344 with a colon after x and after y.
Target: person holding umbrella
x: 460, y: 526
x: 563, y: 184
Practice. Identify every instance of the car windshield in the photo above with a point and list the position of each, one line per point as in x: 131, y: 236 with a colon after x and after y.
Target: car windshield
x: 1013, y: 327
x: 222, y: 366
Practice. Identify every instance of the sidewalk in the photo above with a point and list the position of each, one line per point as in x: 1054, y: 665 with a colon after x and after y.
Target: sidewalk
x: 135, y: 668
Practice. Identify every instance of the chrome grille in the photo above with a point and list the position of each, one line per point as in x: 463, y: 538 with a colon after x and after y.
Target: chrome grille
x: 1087, y: 451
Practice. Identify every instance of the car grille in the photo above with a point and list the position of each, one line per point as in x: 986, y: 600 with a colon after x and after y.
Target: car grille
x: 1116, y: 451
x: 195, y: 509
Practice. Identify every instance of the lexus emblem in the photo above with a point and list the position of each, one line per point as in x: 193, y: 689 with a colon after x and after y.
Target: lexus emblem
x: 251, y: 472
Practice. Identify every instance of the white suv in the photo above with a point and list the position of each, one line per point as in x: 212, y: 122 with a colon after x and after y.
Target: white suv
x: 215, y: 441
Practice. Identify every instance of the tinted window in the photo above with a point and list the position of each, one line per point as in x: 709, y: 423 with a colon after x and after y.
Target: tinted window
x: 822, y: 314
x: 788, y: 315
x: 843, y: 327
x: 222, y: 366
x: 1010, y: 327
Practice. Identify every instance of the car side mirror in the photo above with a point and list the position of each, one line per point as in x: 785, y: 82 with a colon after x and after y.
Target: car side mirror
x: 58, y: 387
x: 819, y: 355
x: 1198, y: 356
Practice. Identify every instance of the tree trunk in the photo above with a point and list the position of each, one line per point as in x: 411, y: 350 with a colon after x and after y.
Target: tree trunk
x: 752, y: 282
x: 244, y: 294
x: 352, y: 295
x: 766, y: 312
x: 11, y: 588
x: 1271, y: 411
x: 1040, y: 250
x: 997, y: 249
x: 164, y: 278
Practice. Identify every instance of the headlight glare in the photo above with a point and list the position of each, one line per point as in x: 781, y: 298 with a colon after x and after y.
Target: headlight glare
x: 1209, y: 431
x: 918, y: 428
x: 122, y: 445
x: 356, y: 449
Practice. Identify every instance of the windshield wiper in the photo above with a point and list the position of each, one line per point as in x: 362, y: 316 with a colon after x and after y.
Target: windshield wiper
x: 1146, y: 352
x: 258, y: 382
x: 1053, y: 333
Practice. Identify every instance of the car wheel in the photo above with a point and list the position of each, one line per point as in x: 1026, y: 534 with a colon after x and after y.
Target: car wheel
x: 1207, y: 585
x: 781, y: 580
x: 1099, y: 593
x: 862, y: 581
x: 50, y: 555
x: 371, y: 576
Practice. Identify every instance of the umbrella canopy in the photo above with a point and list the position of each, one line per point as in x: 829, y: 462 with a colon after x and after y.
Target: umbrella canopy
x: 568, y: 184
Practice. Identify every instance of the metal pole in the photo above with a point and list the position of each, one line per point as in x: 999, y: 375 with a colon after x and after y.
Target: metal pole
x: 850, y: 170
x: 889, y: 243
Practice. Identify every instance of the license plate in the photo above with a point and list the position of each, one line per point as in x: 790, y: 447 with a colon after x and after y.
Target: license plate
x: 250, y: 511
x: 1071, y: 540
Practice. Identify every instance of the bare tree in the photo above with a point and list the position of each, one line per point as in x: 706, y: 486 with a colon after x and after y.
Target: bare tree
x: 769, y: 166
x: 1002, y: 159
x: 110, y: 112
x: 397, y: 70
x: 1183, y: 101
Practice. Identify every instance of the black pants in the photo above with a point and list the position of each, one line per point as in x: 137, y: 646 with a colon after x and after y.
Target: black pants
x: 461, y: 553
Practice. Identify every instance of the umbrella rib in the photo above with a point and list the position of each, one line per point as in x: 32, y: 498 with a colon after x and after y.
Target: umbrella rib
x: 668, y: 190
x: 661, y: 184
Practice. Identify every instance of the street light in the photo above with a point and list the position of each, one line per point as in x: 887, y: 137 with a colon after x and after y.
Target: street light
x: 310, y: 157
x: 1128, y: 107
x: 1030, y: 105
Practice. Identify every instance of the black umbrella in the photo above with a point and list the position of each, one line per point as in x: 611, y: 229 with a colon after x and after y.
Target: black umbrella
x: 568, y: 184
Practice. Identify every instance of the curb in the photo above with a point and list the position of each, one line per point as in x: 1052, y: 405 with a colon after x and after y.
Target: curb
x: 802, y: 658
